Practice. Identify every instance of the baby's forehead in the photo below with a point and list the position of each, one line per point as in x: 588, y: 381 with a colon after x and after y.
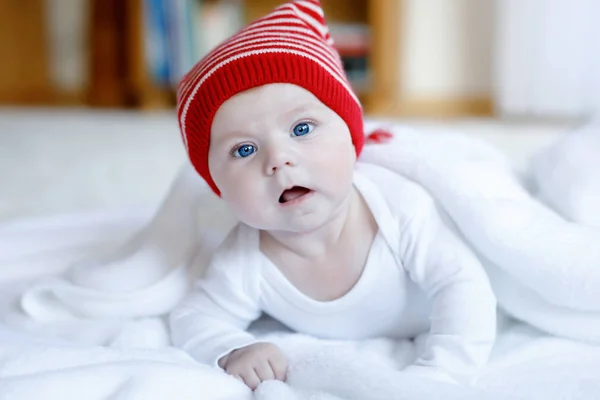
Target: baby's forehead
x: 257, y: 120
x: 269, y: 103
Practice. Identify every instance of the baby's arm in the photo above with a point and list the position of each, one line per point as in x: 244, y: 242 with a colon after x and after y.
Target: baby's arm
x: 212, y: 320
x: 463, y: 319
x: 210, y: 324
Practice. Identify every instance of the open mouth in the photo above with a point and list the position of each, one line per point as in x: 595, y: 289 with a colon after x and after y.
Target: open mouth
x: 293, y: 193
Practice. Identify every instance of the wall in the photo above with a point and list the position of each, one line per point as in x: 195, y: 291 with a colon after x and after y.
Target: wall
x: 67, y: 39
x: 447, y: 49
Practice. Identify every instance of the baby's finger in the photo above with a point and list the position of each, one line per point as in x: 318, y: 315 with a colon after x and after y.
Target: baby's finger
x: 264, y: 371
x: 250, y: 378
x: 279, y: 367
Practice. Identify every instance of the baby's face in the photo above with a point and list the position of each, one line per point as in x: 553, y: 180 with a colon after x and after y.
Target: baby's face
x: 282, y: 160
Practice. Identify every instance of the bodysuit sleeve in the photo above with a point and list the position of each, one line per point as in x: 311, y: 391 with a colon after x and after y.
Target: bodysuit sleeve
x: 212, y: 319
x: 463, y: 318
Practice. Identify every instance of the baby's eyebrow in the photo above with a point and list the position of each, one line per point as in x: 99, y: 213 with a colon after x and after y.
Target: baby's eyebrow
x: 298, y: 110
x: 229, y: 136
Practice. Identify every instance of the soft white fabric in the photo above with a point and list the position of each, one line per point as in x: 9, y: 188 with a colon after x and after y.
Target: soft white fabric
x: 145, y: 275
x: 567, y: 175
x: 473, y: 184
x: 525, y: 363
x: 544, y: 269
x: 34, y: 367
x: 417, y: 273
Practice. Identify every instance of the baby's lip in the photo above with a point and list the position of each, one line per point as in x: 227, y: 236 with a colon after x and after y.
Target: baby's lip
x: 292, y: 193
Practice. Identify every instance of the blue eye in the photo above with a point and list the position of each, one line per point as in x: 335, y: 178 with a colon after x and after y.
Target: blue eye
x: 244, y: 151
x: 303, y: 128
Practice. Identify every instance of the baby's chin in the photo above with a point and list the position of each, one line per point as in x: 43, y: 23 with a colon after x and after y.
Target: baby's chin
x: 299, y: 224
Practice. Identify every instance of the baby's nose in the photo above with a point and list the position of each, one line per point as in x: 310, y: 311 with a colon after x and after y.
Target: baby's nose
x: 277, y: 159
x: 274, y: 167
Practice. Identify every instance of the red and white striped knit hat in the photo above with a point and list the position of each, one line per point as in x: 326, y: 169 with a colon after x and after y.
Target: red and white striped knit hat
x: 290, y: 45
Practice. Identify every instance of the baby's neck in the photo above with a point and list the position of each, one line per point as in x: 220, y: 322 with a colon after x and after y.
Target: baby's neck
x: 316, y: 243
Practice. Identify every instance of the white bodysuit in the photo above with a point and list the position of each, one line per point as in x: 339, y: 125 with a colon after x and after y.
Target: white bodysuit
x: 418, y: 277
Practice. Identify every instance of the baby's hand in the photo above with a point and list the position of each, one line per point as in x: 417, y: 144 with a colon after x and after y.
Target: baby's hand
x: 255, y: 363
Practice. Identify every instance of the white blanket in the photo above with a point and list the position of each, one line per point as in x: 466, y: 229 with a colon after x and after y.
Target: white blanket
x: 96, y: 332
x: 544, y: 268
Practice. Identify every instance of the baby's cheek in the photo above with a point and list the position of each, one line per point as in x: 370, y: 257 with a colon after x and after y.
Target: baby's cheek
x: 254, y: 217
x: 247, y: 203
x: 340, y: 164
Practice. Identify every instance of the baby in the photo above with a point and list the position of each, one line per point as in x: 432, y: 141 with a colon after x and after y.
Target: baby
x: 329, y: 246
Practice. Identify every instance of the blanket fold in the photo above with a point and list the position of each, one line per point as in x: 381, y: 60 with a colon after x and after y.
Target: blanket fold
x: 551, y: 265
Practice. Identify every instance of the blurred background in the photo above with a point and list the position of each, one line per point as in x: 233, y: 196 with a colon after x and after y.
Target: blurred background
x: 87, y: 87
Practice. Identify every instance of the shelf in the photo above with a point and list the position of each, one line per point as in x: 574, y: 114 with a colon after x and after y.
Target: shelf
x: 119, y: 75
